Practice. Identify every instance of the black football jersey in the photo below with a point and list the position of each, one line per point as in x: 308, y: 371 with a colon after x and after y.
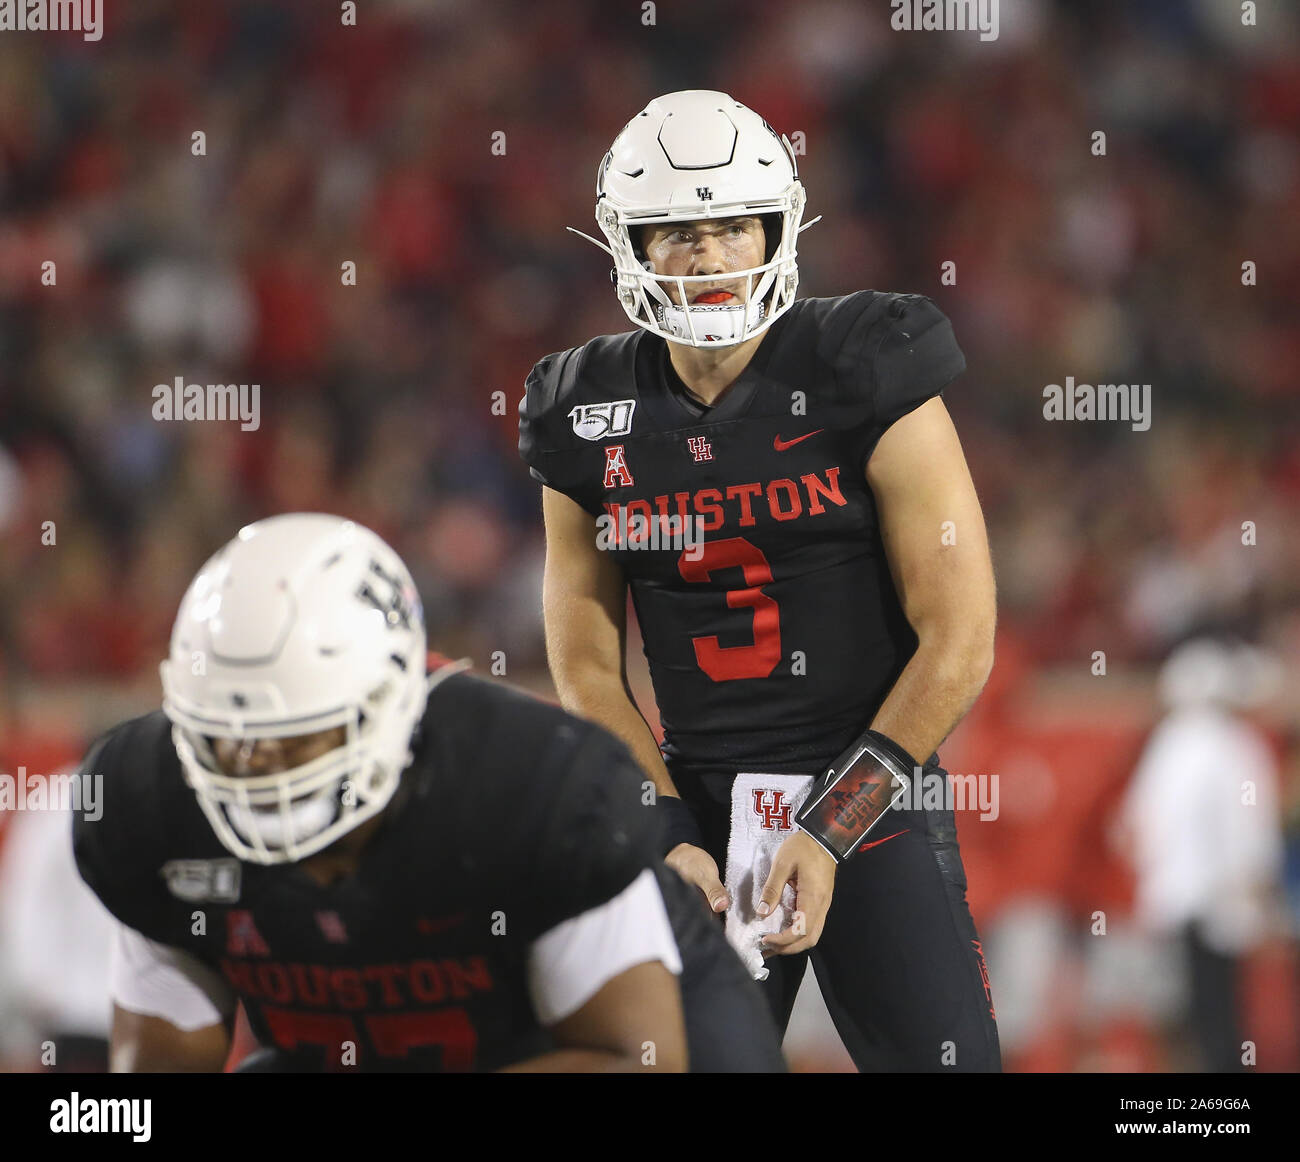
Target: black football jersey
x: 512, y: 818
x: 774, y: 639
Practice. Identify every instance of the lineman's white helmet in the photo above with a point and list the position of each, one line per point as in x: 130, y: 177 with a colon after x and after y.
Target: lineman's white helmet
x: 302, y: 623
x: 688, y: 156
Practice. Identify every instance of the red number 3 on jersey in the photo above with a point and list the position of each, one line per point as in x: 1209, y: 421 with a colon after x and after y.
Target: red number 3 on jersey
x: 726, y: 663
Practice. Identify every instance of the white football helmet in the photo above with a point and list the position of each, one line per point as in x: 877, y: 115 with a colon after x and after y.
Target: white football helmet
x: 688, y: 156
x: 302, y: 623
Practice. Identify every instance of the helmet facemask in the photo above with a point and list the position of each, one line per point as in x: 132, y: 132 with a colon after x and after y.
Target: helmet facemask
x: 291, y: 814
x: 644, y: 295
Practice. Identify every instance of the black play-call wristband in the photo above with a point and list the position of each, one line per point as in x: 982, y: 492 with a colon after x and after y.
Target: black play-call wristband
x: 858, y: 788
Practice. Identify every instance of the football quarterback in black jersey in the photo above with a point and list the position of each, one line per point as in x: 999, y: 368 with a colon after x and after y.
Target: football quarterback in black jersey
x: 780, y: 485
x: 391, y: 869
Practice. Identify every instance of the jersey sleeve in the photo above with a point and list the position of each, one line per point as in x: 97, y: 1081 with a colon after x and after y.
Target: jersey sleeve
x: 155, y: 980
x: 573, y: 961
x: 546, y: 443
x: 114, y: 855
x: 598, y: 834
x: 536, y: 444
x: 898, y: 352
x: 916, y: 359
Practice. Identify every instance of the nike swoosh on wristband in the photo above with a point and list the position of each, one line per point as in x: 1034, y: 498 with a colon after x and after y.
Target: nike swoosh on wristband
x: 781, y: 445
x: 878, y: 842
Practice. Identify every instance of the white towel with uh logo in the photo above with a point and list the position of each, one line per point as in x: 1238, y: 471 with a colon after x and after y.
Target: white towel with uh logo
x: 763, y: 808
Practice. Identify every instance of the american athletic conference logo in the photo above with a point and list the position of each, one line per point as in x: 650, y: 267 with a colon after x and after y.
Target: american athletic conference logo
x: 775, y: 815
x: 616, y: 473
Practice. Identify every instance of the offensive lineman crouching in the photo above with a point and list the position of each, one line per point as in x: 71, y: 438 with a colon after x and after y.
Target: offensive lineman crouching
x: 390, y: 870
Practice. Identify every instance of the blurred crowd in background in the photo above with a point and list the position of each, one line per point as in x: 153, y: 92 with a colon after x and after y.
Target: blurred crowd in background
x: 442, y: 146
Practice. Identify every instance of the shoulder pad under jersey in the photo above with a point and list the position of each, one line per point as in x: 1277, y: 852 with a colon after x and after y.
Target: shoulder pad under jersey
x: 572, y: 400
x: 894, y: 351
x: 144, y: 815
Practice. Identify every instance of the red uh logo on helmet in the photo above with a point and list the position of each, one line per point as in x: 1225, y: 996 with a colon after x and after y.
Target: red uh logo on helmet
x: 776, y: 814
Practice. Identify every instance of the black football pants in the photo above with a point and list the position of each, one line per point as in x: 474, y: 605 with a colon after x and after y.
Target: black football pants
x: 899, y: 962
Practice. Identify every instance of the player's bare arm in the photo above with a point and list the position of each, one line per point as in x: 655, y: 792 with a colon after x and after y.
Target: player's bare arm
x: 634, y: 1024
x: 584, y: 600
x: 942, y: 572
x: 934, y: 537
x: 143, y: 1044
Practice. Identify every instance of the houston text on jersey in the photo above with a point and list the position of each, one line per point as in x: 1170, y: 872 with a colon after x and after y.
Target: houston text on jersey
x: 785, y: 500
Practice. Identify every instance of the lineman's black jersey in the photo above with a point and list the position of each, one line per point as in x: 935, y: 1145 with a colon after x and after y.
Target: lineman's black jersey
x: 772, y: 643
x: 512, y: 818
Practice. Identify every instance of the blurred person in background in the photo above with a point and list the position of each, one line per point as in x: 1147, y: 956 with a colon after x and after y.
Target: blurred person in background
x: 1202, y: 825
x: 55, y: 938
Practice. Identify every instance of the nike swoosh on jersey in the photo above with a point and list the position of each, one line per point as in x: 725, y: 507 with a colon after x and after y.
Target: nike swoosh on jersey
x: 878, y: 842
x: 781, y: 445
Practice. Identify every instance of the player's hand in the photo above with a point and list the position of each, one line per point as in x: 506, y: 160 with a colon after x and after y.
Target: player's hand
x: 696, y: 866
x: 802, y: 862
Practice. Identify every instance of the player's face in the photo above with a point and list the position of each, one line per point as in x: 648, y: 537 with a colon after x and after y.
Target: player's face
x: 245, y: 757
x: 714, y: 246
